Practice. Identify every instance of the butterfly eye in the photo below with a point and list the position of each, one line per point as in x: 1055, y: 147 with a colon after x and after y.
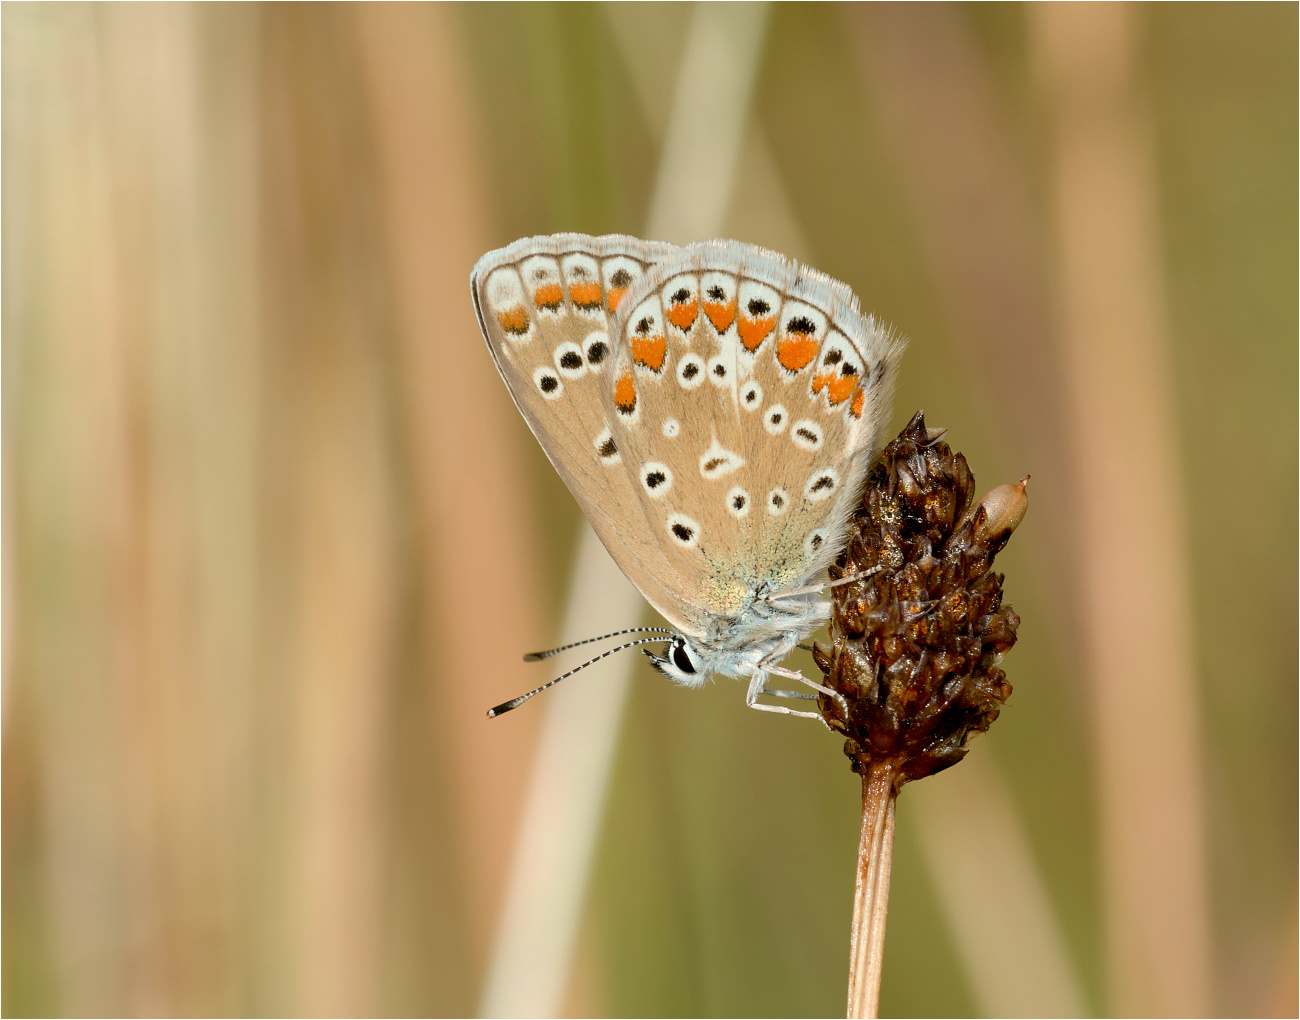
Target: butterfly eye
x: 681, y: 660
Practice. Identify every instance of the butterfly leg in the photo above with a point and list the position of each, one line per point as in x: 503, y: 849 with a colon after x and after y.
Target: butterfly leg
x: 794, y: 674
x: 813, y: 589
x: 758, y: 686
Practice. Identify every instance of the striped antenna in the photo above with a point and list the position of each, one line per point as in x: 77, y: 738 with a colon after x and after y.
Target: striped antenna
x: 506, y: 706
x: 539, y: 656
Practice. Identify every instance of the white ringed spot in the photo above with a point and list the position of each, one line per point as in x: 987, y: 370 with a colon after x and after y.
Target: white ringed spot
x: 656, y: 478
x: 751, y: 395
x: 684, y: 531
x: 737, y: 502
x: 822, y: 484
x: 775, y: 419
x: 720, y: 370
x: 807, y: 434
x: 778, y: 500
x: 597, y: 348
x: 606, y: 449
x: 568, y: 360
x: 717, y: 461
x: 548, y: 382
x: 671, y: 427
x: 813, y: 544
x: 690, y: 371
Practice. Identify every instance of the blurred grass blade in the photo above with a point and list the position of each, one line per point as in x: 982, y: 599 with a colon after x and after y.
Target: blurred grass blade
x: 991, y: 891
x: 1136, y: 576
x: 531, y: 961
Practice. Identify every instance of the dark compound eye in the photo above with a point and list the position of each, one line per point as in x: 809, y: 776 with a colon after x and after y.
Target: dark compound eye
x: 681, y: 660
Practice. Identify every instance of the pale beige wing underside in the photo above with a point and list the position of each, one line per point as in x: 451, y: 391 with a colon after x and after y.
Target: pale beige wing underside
x: 748, y: 395
x: 545, y: 306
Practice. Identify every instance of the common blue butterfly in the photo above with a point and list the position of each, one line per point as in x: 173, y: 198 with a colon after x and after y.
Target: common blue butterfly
x: 714, y: 409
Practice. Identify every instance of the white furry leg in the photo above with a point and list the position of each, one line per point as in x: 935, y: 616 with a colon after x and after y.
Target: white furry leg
x: 792, y: 674
x: 758, y: 686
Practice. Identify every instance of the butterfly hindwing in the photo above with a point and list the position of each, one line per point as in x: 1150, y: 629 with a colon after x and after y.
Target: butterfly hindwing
x: 748, y: 393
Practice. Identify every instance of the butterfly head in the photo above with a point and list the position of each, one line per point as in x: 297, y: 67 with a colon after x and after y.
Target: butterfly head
x: 681, y: 662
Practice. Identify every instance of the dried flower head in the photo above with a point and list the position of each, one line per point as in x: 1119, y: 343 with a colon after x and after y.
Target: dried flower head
x: 915, y: 647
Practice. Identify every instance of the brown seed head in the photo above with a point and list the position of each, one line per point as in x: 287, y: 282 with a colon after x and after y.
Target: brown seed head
x: 915, y: 647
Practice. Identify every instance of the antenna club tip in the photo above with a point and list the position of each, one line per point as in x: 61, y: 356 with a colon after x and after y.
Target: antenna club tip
x: 533, y: 656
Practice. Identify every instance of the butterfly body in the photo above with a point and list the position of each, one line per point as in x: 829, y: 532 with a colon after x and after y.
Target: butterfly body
x: 714, y: 409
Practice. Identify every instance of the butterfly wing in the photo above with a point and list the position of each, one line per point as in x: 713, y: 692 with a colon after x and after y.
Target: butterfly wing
x: 545, y: 306
x: 748, y: 393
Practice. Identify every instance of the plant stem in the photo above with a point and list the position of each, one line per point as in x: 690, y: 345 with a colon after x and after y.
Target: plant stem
x: 871, y: 892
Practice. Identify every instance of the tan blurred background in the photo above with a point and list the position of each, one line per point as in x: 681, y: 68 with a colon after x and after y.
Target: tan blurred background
x: 275, y: 537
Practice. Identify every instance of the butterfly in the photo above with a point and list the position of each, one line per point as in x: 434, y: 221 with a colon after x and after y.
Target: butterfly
x: 714, y: 409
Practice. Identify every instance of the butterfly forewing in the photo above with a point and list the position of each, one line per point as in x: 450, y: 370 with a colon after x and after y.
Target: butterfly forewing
x: 546, y: 308
x: 748, y: 394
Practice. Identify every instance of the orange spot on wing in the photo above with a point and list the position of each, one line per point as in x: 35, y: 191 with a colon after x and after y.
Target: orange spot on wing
x: 842, y: 388
x: 683, y: 316
x: 548, y: 296
x: 859, y: 402
x: 754, y: 331
x: 586, y: 295
x: 820, y: 382
x: 722, y: 316
x: 514, y: 320
x: 625, y: 393
x: 795, y: 351
x: 613, y: 296
x: 649, y: 351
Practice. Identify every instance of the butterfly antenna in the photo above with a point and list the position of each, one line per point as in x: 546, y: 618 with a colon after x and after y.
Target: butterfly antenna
x: 506, y: 706
x: 539, y: 656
